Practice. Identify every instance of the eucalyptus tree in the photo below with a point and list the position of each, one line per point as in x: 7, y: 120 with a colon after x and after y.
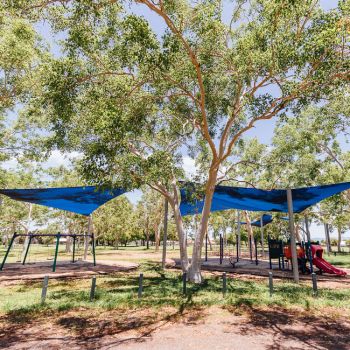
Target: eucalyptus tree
x: 132, y: 101
x: 113, y: 222
x: 20, y: 53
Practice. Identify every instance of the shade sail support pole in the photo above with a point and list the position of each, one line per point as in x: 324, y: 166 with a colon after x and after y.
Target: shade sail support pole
x: 262, y: 236
x: 238, y: 234
x: 292, y: 236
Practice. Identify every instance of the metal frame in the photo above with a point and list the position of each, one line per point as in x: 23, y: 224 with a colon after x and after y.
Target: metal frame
x: 58, y: 236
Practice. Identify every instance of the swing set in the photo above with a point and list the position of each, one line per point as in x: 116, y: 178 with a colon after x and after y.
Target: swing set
x: 58, y: 236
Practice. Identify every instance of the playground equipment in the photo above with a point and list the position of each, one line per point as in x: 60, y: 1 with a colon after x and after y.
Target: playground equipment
x: 312, y: 253
x: 323, y: 265
x: 58, y: 236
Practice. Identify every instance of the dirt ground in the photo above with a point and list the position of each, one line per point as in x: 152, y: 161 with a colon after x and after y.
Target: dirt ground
x: 210, y: 329
x: 15, y: 271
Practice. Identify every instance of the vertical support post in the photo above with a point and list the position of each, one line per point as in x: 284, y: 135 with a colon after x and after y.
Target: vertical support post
x: 139, y: 293
x: 221, y: 246
x: 27, y: 250
x: 292, y: 236
x: 256, y: 251
x: 184, y: 281
x: 269, y: 247
x: 165, y: 235
x: 93, y: 248
x: 206, y: 247
x: 237, y: 249
x: 262, y: 236
x: 44, y: 289
x: 74, y: 239
x: 307, y: 229
x: 271, y: 283
x: 309, y: 256
x: 58, y: 236
x: 224, y: 284
x: 93, y: 288
x: 328, y: 242
x: 238, y: 234
x: 314, y: 283
x: 8, y: 250
x: 250, y: 248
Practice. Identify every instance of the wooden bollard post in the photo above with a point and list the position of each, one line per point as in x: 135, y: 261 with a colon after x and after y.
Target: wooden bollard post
x: 44, y: 289
x: 93, y: 288
x: 184, y: 281
x: 271, y: 283
x: 139, y: 294
x: 224, y: 284
x: 314, y: 284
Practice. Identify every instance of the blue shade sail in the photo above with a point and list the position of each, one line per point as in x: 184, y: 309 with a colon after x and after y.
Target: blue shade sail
x: 266, y: 219
x: 253, y: 199
x: 80, y: 200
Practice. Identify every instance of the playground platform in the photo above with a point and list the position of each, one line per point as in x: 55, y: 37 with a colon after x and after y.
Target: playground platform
x: 245, y: 266
x: 65, y: 269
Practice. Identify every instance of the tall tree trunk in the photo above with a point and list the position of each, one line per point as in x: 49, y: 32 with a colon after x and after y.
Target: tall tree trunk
x: 156, y: 228
x: 328, y: 239
x: 26, y: 231
x: 181, y: 234
x: 195, y: 268
x: 339, y: 239
x: 297, y: 233
x: 87, y: 238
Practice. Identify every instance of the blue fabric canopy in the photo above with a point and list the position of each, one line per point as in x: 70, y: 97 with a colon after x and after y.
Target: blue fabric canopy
x: 80, y: 200
x: 266, y: 220
x: 253, y: 199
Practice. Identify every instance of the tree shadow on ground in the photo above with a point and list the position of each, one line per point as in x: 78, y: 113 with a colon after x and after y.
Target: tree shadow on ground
x: 312, y: 331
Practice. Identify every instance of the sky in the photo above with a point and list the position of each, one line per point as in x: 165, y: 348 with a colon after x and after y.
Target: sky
x: 263, y: 130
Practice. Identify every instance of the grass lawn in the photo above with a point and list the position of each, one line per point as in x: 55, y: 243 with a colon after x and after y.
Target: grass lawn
x: 162, y: 289
x: 117, y: 310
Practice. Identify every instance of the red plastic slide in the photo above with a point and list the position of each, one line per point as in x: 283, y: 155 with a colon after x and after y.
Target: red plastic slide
x: 326, y: 267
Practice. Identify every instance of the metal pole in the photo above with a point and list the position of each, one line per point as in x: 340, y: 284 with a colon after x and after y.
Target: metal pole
x: 56, y: 251
x: 74, y: 238
x: 262, y: 236
x: 256, y: 251
x: 8, y: 250
x: 237, y: 249
x: 250, y: 248
x: 27, y: 250
x: 206, y: 247
x: 93, y: 248
x: 307, y: 229
x: 220, y: 240
x: 239, y: 234
x: 165, y: 235
x: 292, y: 236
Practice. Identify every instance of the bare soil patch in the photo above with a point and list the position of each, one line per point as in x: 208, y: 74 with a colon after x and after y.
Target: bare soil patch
x: 14, y: 272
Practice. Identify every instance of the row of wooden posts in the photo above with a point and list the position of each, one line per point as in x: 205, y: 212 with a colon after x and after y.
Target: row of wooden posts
x: 184, y: 286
